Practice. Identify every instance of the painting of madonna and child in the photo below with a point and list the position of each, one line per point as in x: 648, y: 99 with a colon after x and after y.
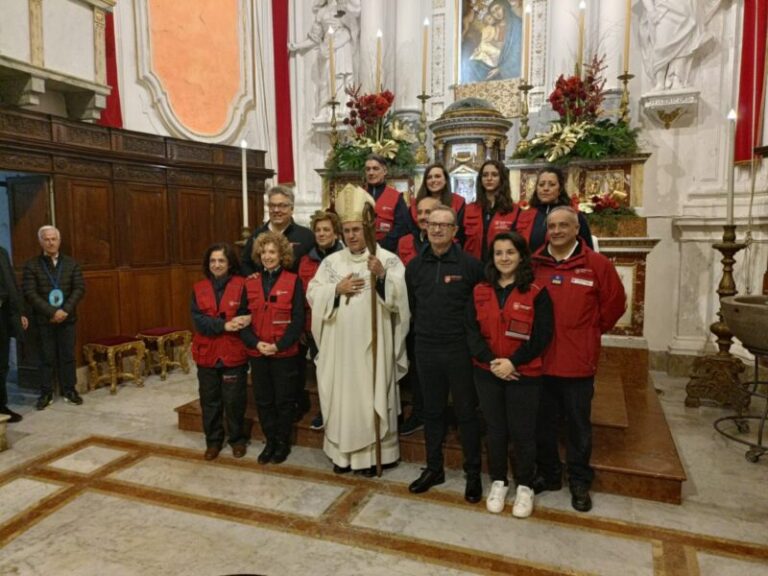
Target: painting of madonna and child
x: 491, y: 40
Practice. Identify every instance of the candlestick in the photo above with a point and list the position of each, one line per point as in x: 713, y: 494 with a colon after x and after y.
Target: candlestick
x: 624, y: 104
x: 424, y: 45
x: 523, y: 143
x: 331, y: 63
x: 730, y: 171
x: 378, y: 60
x: 527, y: 43
x: 243, y: 149
x: 421, y: 156
x: 580, y: 46
x: 627, y: 29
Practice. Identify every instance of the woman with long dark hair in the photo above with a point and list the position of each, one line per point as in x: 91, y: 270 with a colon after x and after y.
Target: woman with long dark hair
x: 437, y: 184
x: 509, y: 325
x: 493, y: 211
x: 550, y: 192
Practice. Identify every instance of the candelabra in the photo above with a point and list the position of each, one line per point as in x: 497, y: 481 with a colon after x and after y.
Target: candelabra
x: 523, y: 143
x: 624, y: 105
x: 716, y: 376
x: 421, y: 155
x: 334, y: 136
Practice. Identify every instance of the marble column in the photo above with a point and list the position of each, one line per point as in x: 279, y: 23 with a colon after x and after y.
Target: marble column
x: 408, y: 38
x: 610, y: 30
x: 564, y: 29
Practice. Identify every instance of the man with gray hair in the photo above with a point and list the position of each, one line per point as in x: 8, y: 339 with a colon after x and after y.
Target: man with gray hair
x: 280, y: 201
x: 588, y: 299
x: 53, y: 286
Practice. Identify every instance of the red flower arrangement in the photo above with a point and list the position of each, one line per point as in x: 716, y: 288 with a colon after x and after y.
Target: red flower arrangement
x: 578, y: 99
x: 367, y: 111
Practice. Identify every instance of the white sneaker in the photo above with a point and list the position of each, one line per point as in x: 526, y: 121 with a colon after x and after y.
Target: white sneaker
x: 496, y: 497
x: 523, y: 502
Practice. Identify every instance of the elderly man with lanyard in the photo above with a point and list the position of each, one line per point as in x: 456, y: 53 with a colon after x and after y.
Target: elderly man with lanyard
x: 588, y: 299
x: 392, y: 215
x: 440, y: 282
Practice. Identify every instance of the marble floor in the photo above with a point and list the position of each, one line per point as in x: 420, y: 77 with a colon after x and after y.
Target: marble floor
x: 113, y: 487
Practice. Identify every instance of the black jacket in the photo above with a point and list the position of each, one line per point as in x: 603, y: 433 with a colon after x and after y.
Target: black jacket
x: 10, y: 296
x: 37, y: 284
x: 439, y: 290
x: 301, y: 238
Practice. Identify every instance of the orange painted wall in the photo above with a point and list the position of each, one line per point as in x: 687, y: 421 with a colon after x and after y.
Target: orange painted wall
x: 195, y: 53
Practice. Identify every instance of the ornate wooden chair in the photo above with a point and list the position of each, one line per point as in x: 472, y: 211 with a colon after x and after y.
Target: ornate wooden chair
x: 112, y: 350
x: 167, y: 348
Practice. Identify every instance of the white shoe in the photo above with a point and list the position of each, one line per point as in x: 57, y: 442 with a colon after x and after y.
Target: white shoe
x: 523, y: 502
x: 496, y: 497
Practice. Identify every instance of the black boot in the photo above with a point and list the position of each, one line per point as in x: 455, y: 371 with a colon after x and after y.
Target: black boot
x: 282, y: 451
x: 267, y: 455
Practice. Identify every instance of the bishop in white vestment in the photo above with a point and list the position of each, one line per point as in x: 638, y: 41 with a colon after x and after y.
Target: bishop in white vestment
x: 340, y: 296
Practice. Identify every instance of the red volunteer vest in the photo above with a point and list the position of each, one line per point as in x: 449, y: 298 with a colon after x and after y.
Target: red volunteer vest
x: 385, y: 212
x: 227, y: 347
x: 406, y: 249
x: 307, y: 270
x: 506, y: 329
x: 519, y: 220
x: 271, y: 317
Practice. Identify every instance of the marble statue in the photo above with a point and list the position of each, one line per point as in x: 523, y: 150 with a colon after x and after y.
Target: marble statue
x: 672, y: 33
x: 344, y: 17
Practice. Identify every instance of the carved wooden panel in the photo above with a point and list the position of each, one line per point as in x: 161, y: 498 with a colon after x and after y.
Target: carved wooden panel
x: 30, y: 209
x: 139, y: 173
x: 188, y: 152
x: 26, y: 126
x: 85, y: 216
x: 22, y: 162
x: 183, y: 279
x: 143, y: 144
x: 145, y: 299
x: 144, y: 234
x: 194, y: 222
x: 81, y: 134
x: 98, y: 314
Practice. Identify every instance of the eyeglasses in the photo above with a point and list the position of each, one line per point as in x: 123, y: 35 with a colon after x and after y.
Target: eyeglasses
x: 283, y: 206
x: 440, y: 225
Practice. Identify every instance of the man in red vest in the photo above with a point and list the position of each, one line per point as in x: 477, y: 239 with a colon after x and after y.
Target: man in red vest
x: 392, y: 215
x: 588, y: 299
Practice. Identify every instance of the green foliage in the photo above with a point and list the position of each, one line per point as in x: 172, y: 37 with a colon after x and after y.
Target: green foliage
x: 598, y: 140
x: 609, y: 218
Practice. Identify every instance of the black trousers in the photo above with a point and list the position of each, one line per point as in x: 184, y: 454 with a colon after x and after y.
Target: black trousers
x: 510, y: 410
x: 57, y: 345
x: 5, y: 352
x: 302, y: 394
x: 443, y: 370
x: 274, y: 390
x: 570, y: 398
x: 412, y: 379
x: 223, y: 396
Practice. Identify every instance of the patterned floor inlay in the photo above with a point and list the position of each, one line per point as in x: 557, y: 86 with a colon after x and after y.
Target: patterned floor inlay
x: 115, y: 506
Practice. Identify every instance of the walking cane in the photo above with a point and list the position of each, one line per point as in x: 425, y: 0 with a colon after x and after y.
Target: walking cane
x: 369, y: 230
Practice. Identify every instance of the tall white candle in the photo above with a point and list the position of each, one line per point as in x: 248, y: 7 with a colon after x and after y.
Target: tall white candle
x: 527, y: 42
x: 378, y: 60
x: 424, y: 44
x: 627, y: 29
x: 243, y: 149
x: 580, y: 46
x: 730, y: 171
x: 331, y: 64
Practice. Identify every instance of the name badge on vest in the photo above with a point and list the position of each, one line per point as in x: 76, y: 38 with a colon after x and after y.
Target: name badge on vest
x: 56, y: 297
x: 557, y: 279
x: 519, y: 330
x: 385, y: 226
x: 582, y: 282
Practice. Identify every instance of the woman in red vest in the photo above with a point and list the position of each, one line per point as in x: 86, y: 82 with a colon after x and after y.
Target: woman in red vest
x: 509, y: 326
x: 550, y: 193
x: 437, y: 184
x: 276, y: 303
x: 219, y: 312
x: 493, y: 211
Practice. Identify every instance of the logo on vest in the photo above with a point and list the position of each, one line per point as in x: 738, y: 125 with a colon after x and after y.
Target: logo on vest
x: 452, y: 278
x: 518, y: 306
